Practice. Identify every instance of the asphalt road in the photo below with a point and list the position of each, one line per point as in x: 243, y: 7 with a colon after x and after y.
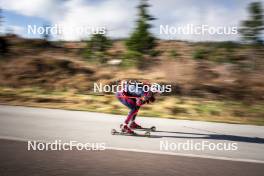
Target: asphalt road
x: 15, y: 160
x: 124, y: 154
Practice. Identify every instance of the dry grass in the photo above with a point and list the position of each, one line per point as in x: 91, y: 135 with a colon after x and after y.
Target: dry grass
x: 63, y: 79
x: 165, y: 107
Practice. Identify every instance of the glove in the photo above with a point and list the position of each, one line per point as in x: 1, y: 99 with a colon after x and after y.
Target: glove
x: 139, y: 102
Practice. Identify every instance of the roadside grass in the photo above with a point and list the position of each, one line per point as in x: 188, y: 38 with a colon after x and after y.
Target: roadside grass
x: 173, y: 107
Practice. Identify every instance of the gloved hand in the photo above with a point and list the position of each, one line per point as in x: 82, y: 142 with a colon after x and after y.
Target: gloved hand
x: 140, y: 101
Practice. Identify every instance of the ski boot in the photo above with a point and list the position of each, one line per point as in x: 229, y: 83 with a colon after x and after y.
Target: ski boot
x: 134, y: 125
x: 126, y: 129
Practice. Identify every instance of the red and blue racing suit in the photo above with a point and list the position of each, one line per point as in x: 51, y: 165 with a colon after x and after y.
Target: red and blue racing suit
x: 134, y: 97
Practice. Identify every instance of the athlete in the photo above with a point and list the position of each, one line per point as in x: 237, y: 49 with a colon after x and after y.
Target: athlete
x: 134, y: 95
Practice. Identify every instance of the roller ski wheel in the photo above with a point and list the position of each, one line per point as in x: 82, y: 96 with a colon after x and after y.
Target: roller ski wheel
x: 114, y: 132
x: 147, y: 133
x: 153, y: 128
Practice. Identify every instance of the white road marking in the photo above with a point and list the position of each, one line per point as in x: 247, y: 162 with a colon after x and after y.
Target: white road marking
x: 187, y: 155
x: 155, y: 152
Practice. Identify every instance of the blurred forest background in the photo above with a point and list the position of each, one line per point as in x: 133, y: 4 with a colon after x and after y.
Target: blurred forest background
x: 212, y: 81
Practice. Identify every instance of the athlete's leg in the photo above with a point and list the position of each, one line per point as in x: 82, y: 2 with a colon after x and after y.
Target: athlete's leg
x: 134, y: 117
x: 132, y: 114
x: 131, y: 104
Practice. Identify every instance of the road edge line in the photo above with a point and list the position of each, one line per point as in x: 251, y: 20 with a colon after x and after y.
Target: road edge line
x: 187, y: 155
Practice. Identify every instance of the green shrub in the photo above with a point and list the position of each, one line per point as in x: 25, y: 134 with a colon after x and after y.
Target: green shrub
x: 101, y: 57
x: 222, y: 55
x: 200, y: 54
x: 131, y: 59
x: 208, y: 109
x: 155, y: 53
x: 87, y: 53
x: 228, y: 45
x: 173, y: 53
x: 3, y: 46
x: 96, y: 47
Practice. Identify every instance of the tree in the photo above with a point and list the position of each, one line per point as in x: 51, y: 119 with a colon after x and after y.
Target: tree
x: 98, y: 43
x: 251, y: 29
x: 3, y: 41
x: 142, y: 40
x: 97, y: 46
x: 46, y: 35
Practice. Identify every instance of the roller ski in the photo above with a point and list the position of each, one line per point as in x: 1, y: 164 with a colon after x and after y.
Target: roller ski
x: 126, y: 131
x: 135, y: 126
